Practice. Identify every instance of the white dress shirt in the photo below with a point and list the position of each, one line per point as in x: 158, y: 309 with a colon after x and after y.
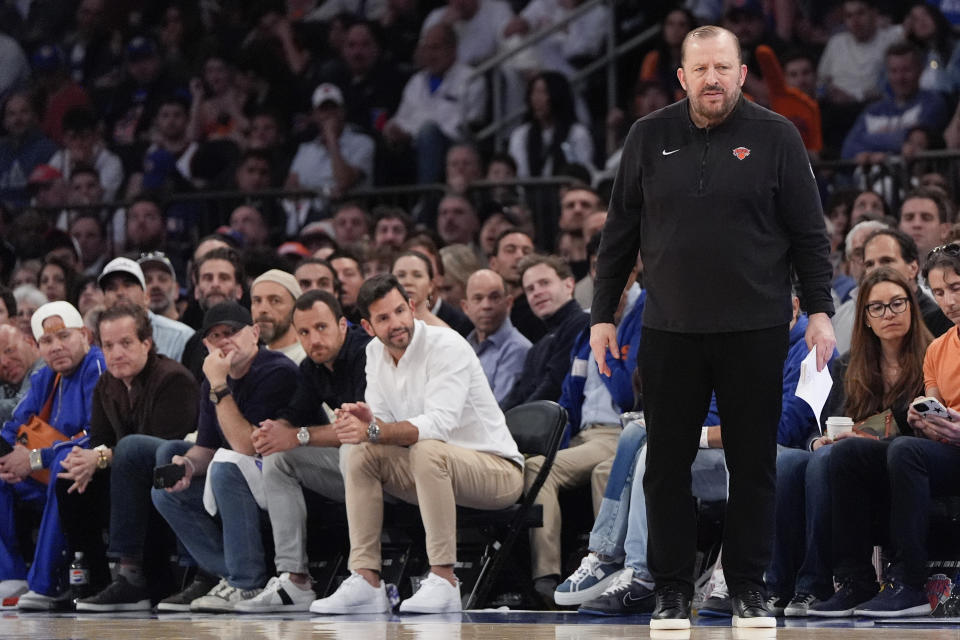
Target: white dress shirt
x: 452, y: 106
x: 439, y: 387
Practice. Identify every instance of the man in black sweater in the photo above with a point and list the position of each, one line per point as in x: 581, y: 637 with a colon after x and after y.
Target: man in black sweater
x: 718, y: 195
x: 300, y: 447
x: 548, y: 285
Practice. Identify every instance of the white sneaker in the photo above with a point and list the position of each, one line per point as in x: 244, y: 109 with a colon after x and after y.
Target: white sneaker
x: 435, y: 595
x: 280, y: 594
x: 10, y: 592
x: 33, y: 601
x: 222, y: 598
x: 355, y: 595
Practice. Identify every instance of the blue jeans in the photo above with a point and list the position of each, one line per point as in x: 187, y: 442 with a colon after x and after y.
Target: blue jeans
x: 131, y: 479
x: 708, y: 483
x: 48, y: 573
x: 620, y: 530
x: 431, y: 145
x: 229, y: 545
x: 801, y: 548
x: 610, y: 528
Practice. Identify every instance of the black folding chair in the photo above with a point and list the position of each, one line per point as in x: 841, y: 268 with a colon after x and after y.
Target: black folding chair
x: 537, y: 428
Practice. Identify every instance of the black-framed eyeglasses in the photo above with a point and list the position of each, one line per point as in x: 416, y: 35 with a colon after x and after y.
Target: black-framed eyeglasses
x: 951, y: 249
x: 879, y: 309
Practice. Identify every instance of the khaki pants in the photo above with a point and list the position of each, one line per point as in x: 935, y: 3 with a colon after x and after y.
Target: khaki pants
x: 432, y: 474
x: 572, y: 468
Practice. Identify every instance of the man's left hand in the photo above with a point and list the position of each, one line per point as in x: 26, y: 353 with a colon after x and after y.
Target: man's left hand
x: 79, y: 466
x: 940, y: 429
x: 15, y: 466
x: 820, y: 335
x: 273, y: 437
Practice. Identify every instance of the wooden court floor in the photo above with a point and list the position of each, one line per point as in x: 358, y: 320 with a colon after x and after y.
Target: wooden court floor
x: 467, y: 626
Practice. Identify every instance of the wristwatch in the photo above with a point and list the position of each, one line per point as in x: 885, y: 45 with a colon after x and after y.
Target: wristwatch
x: 36, y: 460
x: 218, y: 394
x: 373, y: 431
x: 303, y: 436
x: 102, y: 461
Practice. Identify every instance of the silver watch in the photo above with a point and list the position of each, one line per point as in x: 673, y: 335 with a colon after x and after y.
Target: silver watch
x: 36, y: 460
x: 373, y: 431
x: 303, y: 436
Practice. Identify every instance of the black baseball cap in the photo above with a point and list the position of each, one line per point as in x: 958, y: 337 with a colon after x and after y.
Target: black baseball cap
x: 229, y: 313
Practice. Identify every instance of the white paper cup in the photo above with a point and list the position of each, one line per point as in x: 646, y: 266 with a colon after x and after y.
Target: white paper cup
x: 837, y: 425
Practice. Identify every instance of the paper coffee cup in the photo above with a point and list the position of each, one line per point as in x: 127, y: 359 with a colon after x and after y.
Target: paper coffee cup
x: 837, y: 425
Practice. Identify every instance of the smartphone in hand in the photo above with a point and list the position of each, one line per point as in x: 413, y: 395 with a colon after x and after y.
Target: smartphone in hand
x: 166, y: 476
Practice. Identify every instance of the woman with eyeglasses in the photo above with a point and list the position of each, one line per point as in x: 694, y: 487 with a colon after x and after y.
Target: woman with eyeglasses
x: 873, y: 384
x: 885, y: 374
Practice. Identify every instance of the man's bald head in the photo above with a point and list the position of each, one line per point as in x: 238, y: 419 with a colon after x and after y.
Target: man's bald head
x: 17, y: 354
x: 486, y: 302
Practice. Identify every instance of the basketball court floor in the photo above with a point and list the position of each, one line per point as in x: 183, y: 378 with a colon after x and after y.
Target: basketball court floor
x: 473, y: 625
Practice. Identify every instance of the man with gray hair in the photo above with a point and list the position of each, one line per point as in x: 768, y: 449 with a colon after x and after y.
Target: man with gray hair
x: 19, y: 359
x: 853, y: 254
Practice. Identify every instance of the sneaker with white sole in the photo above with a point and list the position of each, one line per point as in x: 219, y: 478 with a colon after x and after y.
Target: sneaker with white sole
x: 10, y: 592
x: 435, y: 595
x: 354, y: 595
x: 180, y: 601
x: 33, y: 601
x: 799, y: 605
x: 589, y: 581
x: 280, y: 594
x: 222, y: 598
x: 120, y: 595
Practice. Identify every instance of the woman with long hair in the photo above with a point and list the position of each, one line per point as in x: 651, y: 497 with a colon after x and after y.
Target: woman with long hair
x: 415, y: 272
x: 873, y: 384
x: 551, y: 138
x: 660, y: 64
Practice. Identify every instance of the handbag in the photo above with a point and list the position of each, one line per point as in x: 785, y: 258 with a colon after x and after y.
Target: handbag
x: 37, y: 433
x: 879, y: 425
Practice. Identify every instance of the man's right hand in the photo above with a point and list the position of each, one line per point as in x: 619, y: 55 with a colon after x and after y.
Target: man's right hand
x: 603, y: 337
x: 184, y: 482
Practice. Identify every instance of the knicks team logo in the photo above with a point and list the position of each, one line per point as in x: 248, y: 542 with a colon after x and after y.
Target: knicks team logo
x: 741, y: 152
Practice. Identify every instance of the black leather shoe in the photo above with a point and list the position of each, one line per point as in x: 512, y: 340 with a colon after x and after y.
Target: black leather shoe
x: 672, y: 610
x: 750, y: 610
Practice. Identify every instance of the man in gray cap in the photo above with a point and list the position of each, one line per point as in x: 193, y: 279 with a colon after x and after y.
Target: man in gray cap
x: 162, y: 286
x: 122, y: 279
x: 272, y: 297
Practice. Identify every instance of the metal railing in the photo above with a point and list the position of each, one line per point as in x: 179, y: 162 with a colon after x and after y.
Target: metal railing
x: 501, y: 122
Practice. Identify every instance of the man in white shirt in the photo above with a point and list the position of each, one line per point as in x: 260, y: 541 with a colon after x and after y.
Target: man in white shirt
x: 438, y: 103
x: 340, y: 157
x: 478, y: 24
x: 430, y: 433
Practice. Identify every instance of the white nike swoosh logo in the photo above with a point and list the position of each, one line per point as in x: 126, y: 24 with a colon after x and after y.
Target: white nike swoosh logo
x: 667, y: 153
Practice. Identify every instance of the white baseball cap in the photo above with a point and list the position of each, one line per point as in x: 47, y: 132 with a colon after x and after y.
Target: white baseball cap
x: 64, y: 310
x: 326, y: 92
x: 123, y: 265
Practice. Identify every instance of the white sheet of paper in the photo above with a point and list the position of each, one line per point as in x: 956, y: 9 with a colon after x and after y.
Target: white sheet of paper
x: 814, y: 386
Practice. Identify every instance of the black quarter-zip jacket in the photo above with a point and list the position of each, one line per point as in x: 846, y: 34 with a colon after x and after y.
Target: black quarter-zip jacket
x: 719, y: 216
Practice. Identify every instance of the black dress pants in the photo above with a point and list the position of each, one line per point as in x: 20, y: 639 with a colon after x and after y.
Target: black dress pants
x: 679, y: 372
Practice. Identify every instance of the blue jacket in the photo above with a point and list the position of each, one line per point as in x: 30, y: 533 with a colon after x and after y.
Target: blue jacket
x: 18, y: 158
x: 72, y: 403
x: 883, y: 125
x: 797, y: 422
x: 620, y: 382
